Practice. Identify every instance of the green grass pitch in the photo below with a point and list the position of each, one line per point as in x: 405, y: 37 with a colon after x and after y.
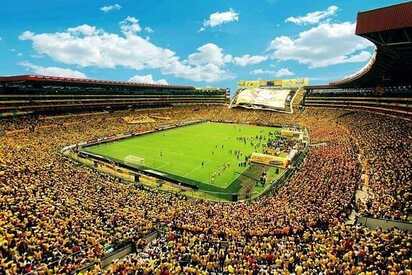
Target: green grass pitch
x: 204, y: 153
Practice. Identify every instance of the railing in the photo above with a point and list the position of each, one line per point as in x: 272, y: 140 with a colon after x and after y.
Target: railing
x: 386, y: 105
x: 385, y: 224
x: 128, y: 248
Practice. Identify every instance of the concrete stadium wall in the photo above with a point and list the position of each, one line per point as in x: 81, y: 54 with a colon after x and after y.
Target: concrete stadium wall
x: 384, y: 224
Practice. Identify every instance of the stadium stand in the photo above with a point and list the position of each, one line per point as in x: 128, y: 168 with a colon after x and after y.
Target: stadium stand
x: 40, y: 94
x: 58, y: 217
x: 384, y: 84
x: 297, y: 99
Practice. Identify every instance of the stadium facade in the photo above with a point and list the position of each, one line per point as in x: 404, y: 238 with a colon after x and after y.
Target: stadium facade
x: 385, y: 84
x: 27, y: 94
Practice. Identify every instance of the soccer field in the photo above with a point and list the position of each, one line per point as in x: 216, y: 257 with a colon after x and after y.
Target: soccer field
x: 208, y: 154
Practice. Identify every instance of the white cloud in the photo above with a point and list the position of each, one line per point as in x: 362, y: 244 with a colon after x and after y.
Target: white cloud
x: 52, y: 71
x: 206, y: 64
x: 148, y: 29
x: 279, y: 73
x: 83, y: 30
x: 87, y: 46
x: 110, y: 8
x: 249, y: 60
x: 321, y: 46
x: 283, y: 72
x: 147, y: 79
x: 208, y: 72
x: 313, y: 17
x: 212, y: 54
x: 130, y: 25
x: 261, y: 71
x: 209, y: 54
x: 360, y: 57
x: 219, y: 18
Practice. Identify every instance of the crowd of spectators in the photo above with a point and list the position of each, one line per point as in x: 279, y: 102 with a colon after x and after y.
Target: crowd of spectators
x: 56, y: 216
x: 338, y: 250
x: 386, y: 144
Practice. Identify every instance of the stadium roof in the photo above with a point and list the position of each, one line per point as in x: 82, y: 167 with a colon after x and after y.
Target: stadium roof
x: 83, y: 82
x: 383, y: 19
x: 390, y: 29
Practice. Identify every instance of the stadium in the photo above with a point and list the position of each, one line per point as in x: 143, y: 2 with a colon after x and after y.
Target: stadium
x: 281, y: 177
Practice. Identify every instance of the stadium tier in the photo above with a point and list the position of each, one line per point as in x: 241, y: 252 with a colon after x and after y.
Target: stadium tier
x: 61, y: 218
x: 385, y: 83
x: 40, y: 94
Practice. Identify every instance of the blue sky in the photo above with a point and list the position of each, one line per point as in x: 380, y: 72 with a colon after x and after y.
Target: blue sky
x: 197, y: 42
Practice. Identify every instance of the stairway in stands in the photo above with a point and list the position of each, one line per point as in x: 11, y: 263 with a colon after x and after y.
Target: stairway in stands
x: 297, y: 99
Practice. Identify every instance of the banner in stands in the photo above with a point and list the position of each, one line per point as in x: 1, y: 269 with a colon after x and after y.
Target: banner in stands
x: 271, y: 98
x: 288, y: 133
x: 269, y: 160
x: 277, y: 83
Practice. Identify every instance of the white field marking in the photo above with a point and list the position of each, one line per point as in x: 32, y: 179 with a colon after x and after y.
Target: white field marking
x: 230, y: 159
x: 216, y: 137
x: 146, y: 149
x: 195, y: 169
x: 166, y: 163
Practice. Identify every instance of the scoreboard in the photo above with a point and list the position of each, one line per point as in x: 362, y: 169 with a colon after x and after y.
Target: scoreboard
x: 277, y: 83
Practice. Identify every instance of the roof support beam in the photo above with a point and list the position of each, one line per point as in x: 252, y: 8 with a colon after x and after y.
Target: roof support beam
x: 382, y: 41
x: 399, y: 43
x: 407, y: 35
